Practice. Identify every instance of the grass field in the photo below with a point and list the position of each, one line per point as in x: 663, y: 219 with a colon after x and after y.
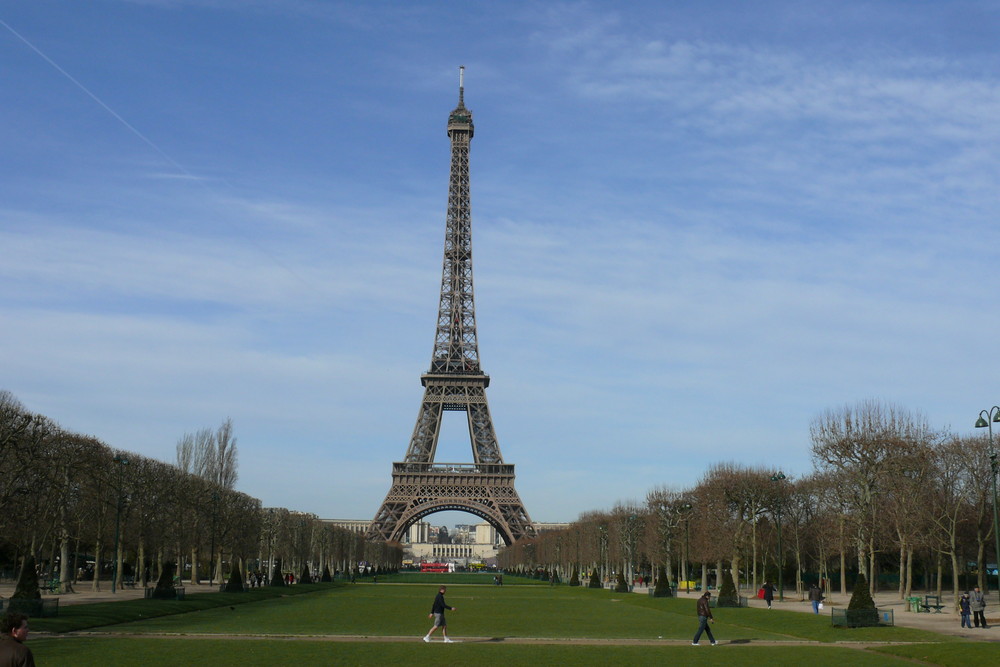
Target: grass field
x: 373, y: 624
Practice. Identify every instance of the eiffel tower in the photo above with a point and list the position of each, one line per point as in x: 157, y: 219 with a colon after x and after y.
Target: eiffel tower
x: 454, y: 382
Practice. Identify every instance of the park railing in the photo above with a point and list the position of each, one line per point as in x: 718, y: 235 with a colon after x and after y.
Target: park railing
x: 861, y: 618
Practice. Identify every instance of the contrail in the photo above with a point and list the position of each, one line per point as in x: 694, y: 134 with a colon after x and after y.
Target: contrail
x: 146, y: 140
x: 99, y: 101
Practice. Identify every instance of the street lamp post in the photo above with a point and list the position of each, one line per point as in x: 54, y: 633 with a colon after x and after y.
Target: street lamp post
x: 992, y: 416
x: 211, y: 557
x: 630, y: 546
x: 122, y: 462
x: 777, y: 477
x: 686, y: 510
x: 604, y: 548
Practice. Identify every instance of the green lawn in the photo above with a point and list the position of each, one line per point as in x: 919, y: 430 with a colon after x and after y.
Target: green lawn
x: 252, y: 652
x: 587, y: 627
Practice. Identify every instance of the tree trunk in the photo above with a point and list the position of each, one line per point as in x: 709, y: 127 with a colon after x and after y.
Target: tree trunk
x: 981, y: 563
x: 65, y: 582
x: 96, y: 583
x: 843, y: 560
x: 940, y: 573
x: 140, y: 569
x: 798, y: 562
x: 76, y: 556
x: 909, y: 572
x: 64, y: 565
x: 873, y: 576
x: 954, y: 576
x: 902, y: 569
x: 217, y: 576
x: 119, y: 553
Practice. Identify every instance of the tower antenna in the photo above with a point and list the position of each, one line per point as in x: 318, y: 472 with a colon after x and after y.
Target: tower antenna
x: 461, y: 84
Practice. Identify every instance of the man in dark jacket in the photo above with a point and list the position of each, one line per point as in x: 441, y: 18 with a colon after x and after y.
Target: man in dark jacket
x: 437, y: 611
x: 815, y: 597
x: 768, y: 593
x: 13, y: 633
x: 704, y: 617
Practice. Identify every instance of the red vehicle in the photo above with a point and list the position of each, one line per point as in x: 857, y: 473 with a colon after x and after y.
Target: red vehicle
x: 434, y: 567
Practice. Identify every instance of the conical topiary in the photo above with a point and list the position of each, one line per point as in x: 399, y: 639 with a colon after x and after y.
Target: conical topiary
x: 595, y: 580
x: 662, y: 588
x: 727, y: 592
x: 276, y: 578
x: 306, y: 578
x: 862, y: 597
x: 574, y: 579
x: 235, y: 583
x: 622, y: 585
x: 27, y: 581
x: 861, y: 610
x: 326, y: 578
x: 164, y: 589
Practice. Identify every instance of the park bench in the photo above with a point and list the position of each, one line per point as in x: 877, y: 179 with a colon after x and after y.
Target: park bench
x: 128, y: 582
x: 932, y: 602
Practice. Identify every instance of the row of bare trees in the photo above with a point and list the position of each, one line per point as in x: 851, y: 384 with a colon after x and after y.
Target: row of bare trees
x: 888, y: 495
x: 68, y: 499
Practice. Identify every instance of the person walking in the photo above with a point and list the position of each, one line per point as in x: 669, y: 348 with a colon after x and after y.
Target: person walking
x: 437, y: 611
x: 815, y: 597
x: 768, y: 593
x: 13, y: 634
x: 704, y: 618
x: 966, y: 610
x: 977, y: 603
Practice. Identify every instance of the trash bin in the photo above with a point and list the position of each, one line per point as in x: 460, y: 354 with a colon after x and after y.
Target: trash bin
x: 914, y: 604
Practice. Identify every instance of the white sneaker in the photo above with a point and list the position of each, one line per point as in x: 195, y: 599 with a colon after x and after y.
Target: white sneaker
x: 448, y: 641
x: 427, y: 639
x: 714, y: 643
x: 694, y: 643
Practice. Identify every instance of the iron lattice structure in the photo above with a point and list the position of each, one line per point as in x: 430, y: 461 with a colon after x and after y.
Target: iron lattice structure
x: 455, y: 381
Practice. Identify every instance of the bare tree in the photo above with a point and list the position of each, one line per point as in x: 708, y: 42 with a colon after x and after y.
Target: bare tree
x: 864, y: 442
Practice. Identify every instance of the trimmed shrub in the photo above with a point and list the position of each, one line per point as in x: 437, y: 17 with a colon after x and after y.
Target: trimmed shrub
x: 861, y: 598
x: 235, y: 583
x: 662, y: 588
x: 574, y: 579
x: 326, y: 578
x: 306, y: 578
x: 727, y: 592
x: 27, y: 582
x: 276, y: 578
x: 861, y: 611
x: 595, y: 580
x: 164, y: 589
x: 622, y: 585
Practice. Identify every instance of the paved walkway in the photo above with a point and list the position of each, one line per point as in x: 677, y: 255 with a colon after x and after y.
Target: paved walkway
x: 947, y: 622
x: 84, y: 595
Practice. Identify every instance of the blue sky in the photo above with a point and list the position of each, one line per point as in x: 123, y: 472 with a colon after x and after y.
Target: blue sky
x: 696, y: 225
